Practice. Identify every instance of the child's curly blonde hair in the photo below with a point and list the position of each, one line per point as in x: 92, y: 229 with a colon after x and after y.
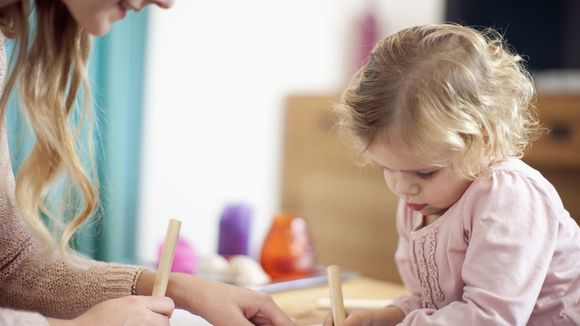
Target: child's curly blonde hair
x: 434, y: 88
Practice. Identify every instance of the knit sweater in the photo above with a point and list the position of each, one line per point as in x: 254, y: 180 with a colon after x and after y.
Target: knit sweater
x: 34, y: 285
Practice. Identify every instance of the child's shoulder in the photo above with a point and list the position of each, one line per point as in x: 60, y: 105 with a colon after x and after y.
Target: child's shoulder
x: 512, y: 182
x: 511, y: 173
x: 513, y: 199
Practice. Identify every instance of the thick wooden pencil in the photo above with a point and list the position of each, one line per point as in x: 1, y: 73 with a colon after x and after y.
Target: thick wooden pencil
x: 166, y: 260
x: 336, y: 300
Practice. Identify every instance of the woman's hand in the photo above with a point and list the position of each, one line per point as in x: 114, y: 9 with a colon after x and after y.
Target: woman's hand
x: 130, y: 310
x: 218, y: 303
x: 390, y: 315
x: 223, y: 304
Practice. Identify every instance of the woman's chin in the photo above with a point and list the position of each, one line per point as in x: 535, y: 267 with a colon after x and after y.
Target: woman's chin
x: 99, y: 29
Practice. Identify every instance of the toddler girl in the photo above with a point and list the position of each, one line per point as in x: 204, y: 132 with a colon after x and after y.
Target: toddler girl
x: 484, y: 238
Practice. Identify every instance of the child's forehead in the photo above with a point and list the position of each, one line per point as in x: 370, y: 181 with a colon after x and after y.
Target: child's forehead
x: 398, y: 158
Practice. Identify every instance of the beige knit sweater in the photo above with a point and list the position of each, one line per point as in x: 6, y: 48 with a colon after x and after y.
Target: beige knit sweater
x: 32, y: 287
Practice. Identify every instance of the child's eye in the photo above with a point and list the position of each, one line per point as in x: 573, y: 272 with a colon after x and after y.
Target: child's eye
x: 426, y: 175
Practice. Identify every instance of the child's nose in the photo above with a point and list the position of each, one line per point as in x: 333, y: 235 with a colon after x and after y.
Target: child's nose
x: 405, y: 185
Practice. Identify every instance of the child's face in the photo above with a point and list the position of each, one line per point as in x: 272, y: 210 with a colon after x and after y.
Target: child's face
x: 429, y: 190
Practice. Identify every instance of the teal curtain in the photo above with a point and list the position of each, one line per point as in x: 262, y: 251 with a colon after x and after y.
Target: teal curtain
x: 117, y: 72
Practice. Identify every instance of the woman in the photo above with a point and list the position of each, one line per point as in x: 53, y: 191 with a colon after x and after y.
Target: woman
x: 42, y: 282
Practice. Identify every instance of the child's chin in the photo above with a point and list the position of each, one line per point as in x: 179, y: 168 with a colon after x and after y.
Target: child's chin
x: 432, y: 211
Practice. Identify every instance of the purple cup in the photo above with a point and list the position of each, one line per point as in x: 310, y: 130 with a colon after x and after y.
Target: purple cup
x: 234, y: 233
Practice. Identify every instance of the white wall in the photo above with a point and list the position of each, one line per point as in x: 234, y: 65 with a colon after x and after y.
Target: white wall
x: 217, y: 75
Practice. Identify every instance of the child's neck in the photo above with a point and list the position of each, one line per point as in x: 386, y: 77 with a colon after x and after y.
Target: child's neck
x: 428, y: 219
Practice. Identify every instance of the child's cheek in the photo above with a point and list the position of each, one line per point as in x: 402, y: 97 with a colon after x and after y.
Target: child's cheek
x: 389, y: 180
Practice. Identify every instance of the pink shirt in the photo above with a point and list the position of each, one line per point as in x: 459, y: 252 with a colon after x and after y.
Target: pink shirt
x: 506, y: 253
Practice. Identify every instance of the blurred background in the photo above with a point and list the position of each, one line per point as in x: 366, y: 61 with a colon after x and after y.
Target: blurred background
x: 218, y: 76
x: 223, y: 102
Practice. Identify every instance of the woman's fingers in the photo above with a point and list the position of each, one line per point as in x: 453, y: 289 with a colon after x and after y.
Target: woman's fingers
x: 269, y: 308
x: 129, y: 311
x: 160, y: 305
x: 328, y: 320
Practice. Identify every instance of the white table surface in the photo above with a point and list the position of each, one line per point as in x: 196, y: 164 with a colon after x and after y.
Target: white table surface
x: 184, y: 318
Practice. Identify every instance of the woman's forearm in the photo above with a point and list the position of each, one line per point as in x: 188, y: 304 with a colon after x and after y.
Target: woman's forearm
x: 144, y: 285
x: 176, y: 288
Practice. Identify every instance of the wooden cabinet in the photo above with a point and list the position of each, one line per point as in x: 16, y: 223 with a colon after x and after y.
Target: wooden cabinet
x: 349, y: 209
x: 557, y: 153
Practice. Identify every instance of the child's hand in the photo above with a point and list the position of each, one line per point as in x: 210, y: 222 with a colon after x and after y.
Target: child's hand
x: 130, y: 310
x: 390, y: 315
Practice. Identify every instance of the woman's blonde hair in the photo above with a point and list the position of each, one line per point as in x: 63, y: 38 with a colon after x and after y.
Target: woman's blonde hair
x: 434, y: 88
x: 48, y: 67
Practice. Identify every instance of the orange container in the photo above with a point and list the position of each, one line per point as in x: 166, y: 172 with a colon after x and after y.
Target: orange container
x: 288, y: 251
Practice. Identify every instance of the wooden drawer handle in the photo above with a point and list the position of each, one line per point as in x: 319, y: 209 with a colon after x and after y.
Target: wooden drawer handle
x: 561, y: 132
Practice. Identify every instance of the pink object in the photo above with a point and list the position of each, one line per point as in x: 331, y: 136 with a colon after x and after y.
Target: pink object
x: 369, y: 35
x: 185, y: 260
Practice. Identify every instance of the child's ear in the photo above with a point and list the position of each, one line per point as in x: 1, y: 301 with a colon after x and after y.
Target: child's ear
x: 486, y: 145
x: 487, y: 151
x: 485, y: 138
